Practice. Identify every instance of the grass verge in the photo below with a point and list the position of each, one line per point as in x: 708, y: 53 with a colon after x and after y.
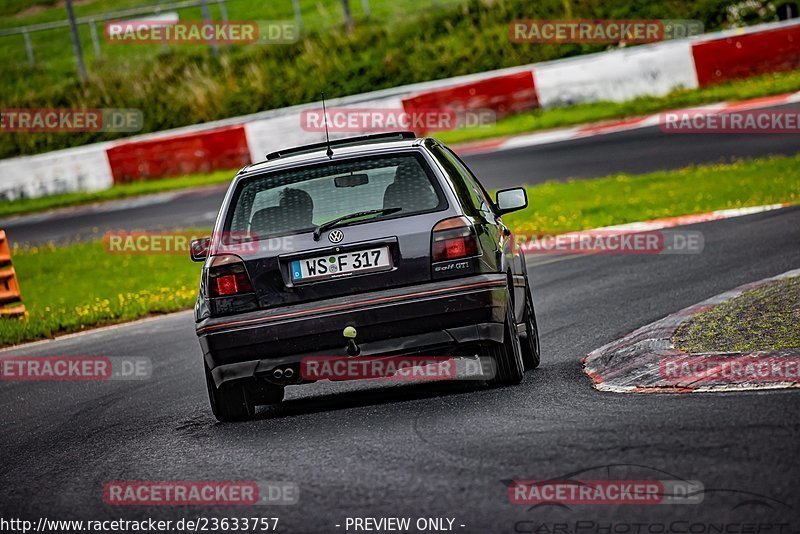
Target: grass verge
x: 81, y: 286
x: 32, y: 205
x: 764, y: 318
x: 759, y: 86
x: 618, y: 199
x: 72, y: 288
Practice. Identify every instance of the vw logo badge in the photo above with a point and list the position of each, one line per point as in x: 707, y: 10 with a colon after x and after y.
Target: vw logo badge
x: 335, y: 236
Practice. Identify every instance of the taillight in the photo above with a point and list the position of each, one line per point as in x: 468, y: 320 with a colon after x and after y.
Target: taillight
x: 227, y: 276
x: 453, y: 239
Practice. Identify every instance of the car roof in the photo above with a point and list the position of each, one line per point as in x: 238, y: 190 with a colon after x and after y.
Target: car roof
x: 319, y: 155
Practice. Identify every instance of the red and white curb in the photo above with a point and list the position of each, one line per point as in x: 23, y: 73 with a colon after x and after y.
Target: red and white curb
x: 608, y: 127
x: 636, y: 362
x: 682, y: 220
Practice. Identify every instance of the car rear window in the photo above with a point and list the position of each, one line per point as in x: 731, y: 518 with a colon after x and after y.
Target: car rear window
x: 297, y: 200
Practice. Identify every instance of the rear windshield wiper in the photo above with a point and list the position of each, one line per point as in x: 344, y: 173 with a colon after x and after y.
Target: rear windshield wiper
x: 335, y: 222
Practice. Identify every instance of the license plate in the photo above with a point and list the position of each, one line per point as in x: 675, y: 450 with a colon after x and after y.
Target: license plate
x: 334, y: 265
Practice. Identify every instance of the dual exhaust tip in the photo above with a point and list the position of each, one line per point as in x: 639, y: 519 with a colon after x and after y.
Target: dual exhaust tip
x: 349, y: 333
x: 286, y: 373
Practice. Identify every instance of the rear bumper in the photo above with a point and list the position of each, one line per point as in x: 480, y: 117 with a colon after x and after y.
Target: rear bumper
x: 429, y: 317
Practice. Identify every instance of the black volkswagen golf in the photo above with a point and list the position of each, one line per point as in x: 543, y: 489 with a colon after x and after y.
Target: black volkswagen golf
x: 374, y: 246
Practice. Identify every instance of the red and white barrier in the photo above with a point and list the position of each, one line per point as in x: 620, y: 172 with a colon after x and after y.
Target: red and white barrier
x: 503, y: 94
x: 748, y: 54
x: 616, y: 75
x: 83, y: 168
x: 220, y: 148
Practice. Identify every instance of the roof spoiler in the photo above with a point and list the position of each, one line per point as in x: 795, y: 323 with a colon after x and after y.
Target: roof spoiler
x: 371, y: 138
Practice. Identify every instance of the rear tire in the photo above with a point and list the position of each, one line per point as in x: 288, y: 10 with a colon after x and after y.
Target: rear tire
x: 531, y: 350
x: 230, y: 402
x: 530, y: 343
x: 507, y: 355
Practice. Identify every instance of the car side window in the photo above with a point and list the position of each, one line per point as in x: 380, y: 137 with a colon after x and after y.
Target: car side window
x: 461, y: 189
x: 476, y: 193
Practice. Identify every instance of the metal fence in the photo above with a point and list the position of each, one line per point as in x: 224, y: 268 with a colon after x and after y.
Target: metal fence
x: 151, y: 10
x: 92, y: 21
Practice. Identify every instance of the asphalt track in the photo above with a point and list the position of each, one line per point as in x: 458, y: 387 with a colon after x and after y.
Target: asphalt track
x: 435, y: 450
x: 633, y: 151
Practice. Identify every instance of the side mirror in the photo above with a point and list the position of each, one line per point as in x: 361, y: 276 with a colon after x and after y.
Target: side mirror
x: 198, y: 248
x: 509, y: 200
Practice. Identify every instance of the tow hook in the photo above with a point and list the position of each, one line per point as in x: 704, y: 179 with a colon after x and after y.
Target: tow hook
x: 352, y: 347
